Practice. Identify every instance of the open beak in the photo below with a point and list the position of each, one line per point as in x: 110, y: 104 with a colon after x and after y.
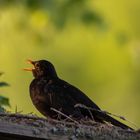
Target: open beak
x: 29, y: 62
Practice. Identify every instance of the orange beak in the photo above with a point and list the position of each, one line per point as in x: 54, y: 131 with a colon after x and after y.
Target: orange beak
x: 29, y: 62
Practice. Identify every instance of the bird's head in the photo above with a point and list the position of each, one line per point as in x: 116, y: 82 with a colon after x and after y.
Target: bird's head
x: 42, y: 68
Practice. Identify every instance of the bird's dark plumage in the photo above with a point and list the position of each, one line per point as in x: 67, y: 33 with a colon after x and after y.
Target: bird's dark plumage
x: 48, y: 91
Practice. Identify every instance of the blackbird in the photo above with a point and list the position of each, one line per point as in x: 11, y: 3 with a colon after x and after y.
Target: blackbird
x: 48, y: 91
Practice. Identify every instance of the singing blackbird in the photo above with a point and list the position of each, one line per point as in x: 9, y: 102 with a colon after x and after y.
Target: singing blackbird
x: 48, y: 91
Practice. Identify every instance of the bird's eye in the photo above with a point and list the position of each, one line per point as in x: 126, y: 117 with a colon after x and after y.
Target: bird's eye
x: 37, y: 65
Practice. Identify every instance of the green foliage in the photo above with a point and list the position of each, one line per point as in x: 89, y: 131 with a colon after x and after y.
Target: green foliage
x: 61, y: 11
x: 90, y: 17
x: 4, y: 101
x: 3, y: 84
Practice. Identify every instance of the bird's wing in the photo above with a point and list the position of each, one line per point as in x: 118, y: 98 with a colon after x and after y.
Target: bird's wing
x: 66, y: 97
x: 61, y: 99
x: 77, y: 95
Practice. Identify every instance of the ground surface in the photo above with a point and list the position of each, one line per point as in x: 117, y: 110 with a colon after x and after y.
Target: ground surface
x: 22, y: 127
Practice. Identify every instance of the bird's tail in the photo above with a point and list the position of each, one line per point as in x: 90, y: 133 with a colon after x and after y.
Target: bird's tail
x: 102, y: 116
x: 105, y: 117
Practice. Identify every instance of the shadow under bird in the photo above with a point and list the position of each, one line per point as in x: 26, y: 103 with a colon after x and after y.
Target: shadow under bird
x: 48, y: 91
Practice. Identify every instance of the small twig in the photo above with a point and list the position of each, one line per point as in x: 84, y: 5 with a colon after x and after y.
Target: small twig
x: 121, y: 117
x: 64, y: 115
x: 16, y: 110
x: 91, y: 114
x: 32, y: 113
x: 90, y: 108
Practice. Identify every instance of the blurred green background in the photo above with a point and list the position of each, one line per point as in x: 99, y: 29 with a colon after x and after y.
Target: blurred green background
x: 94, y: 45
